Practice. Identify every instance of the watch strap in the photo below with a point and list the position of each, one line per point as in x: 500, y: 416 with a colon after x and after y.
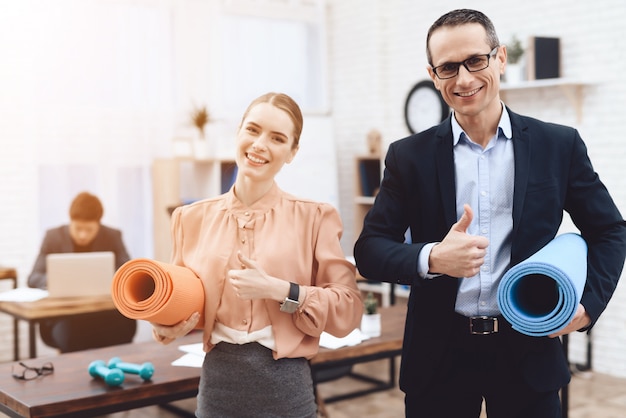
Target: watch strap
x: 294, y: 291
x: 290, y: 304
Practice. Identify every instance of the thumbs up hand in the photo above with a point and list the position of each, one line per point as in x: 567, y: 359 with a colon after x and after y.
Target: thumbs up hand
x: 459, y: 254
x: 252, y: 282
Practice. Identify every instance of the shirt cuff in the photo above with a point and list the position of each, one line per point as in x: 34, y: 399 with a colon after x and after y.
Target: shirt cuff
x: 422, y: 262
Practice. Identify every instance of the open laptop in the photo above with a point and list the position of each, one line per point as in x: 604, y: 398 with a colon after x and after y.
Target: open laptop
x: 80, y: 274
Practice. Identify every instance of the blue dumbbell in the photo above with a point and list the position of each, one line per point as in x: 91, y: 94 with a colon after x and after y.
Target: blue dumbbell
x: 112, y: 377
x: 145, y: 370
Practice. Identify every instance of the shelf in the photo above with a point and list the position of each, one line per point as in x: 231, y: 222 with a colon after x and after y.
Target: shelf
x: 367, y: 176
x: 548, y: 82
x: 572, y: 89
x: 384, y: 290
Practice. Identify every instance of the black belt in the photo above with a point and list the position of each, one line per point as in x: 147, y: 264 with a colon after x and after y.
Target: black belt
x: 480, y: 325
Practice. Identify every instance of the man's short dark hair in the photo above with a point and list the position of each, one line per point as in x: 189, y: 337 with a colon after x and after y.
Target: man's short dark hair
x: 86, y: 207
x: 462, y: 17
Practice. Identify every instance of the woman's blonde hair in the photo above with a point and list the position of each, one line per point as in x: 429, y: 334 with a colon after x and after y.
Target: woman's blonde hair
x: 285, y: 103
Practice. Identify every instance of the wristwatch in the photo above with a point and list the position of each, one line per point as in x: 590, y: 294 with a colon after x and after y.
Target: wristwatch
x: 290, y: 304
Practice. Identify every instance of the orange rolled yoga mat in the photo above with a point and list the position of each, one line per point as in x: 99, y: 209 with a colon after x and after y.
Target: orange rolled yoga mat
x: 157, y: 292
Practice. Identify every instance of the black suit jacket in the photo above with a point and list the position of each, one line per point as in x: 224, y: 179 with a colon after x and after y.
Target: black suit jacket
x: 553, y: 174
x: 58, y: 240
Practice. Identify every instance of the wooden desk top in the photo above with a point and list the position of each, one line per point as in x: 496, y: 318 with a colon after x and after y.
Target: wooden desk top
x: 7, y: 273
x: 392, y: 333
x: 71, y: 391
x: 49, y: 308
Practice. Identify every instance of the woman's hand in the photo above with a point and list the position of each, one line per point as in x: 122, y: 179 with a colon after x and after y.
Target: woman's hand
x: 252, y: 282
x: 166, y: 334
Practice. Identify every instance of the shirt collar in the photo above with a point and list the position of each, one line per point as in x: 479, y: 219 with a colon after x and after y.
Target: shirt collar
x: 268, y: 201
x: 504, y: 126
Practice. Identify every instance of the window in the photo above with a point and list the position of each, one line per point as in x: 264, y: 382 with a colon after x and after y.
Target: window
x: 273, y: 46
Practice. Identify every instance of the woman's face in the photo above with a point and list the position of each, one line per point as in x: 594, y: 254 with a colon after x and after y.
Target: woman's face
x: 265, y: 142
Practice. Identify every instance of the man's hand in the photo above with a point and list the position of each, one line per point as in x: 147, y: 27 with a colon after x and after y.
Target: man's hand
x: 459, y: 254
x: 581, y: 320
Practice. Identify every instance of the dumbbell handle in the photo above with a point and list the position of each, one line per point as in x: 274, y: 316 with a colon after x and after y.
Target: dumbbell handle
x: 111, y: 376
x: 145, y: 370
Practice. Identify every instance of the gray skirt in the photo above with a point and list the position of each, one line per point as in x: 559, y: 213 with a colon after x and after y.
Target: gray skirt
x: 239, y: 381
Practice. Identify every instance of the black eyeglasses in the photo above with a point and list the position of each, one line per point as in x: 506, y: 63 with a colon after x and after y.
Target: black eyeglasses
x: 30, y: 373
x: 472, y: 64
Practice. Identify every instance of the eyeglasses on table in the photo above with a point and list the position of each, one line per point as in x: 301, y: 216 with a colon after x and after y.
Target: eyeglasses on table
x: 25, y: 372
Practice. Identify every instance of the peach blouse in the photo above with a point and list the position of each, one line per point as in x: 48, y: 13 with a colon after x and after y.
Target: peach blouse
x: 291, y: 238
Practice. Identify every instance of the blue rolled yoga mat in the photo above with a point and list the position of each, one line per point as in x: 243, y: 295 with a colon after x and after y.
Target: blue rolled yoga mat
x: 540, y: 295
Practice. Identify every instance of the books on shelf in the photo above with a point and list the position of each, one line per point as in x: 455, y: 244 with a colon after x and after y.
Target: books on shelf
x: 369, y: 174
x: 228, y: 175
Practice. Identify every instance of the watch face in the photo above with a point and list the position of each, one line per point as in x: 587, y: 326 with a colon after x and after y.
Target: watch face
x: 289, y: 306
x: 424, y: 107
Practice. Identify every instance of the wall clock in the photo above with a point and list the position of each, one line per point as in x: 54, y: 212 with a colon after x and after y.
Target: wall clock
x: 424, y: 107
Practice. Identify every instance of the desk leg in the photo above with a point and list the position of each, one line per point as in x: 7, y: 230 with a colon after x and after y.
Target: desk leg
x: 16, y: 340
x: 392, y: 371
x: 32, y: 341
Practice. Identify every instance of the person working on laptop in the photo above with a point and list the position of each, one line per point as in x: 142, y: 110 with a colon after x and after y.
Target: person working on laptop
x: 84, y: 233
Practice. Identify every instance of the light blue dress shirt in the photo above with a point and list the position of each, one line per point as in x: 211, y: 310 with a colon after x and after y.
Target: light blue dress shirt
x: 484, y: 180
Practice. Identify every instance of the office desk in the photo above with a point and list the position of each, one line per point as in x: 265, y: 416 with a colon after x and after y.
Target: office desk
x: 71, y: 392
x: 387, y: 346
x: 52, y: 308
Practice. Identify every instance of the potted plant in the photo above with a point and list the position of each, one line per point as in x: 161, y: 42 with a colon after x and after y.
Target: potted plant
x: 515, y: 52
x: 370, y: 323
x: 200, y: 118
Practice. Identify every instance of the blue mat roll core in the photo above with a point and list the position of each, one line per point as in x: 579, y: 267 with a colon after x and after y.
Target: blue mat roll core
x: 540, y: 295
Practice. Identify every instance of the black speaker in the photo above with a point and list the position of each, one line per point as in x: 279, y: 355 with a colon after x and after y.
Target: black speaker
x: 544, y: 58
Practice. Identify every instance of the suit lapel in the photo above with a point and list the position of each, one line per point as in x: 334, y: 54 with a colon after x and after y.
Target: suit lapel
x: 521, y: 147
x: 445, y: 171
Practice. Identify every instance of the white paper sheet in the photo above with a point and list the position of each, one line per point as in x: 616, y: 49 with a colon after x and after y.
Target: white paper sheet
x: 194, y: 355
x: 354, y: 338
x: 23, y: 294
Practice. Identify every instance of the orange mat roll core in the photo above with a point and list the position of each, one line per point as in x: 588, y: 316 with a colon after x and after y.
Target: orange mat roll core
x: 157, y: 292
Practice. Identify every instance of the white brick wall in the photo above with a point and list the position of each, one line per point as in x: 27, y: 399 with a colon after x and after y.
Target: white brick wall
x: 378, y: 54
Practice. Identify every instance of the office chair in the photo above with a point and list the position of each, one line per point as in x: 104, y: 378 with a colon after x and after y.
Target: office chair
x: 87, y: 331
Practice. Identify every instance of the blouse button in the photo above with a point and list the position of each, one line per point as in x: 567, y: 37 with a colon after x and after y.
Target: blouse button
x: 245, y: 322
x: 243, y: 240
x: 247, y: 213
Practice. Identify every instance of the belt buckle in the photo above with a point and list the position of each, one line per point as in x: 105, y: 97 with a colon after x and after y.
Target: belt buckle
x: 483, y: 329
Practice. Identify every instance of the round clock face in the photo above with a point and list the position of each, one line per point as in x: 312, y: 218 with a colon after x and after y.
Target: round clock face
x: 424, y: 107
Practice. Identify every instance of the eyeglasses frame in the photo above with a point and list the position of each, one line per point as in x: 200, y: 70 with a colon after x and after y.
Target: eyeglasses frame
x: 46, y: 369
x: 490, y: 55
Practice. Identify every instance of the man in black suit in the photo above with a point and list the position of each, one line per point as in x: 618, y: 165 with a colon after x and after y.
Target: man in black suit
x: 84, y: 233
x: 481, y: 192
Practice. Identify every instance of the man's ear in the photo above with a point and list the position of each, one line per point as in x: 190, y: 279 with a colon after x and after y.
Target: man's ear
x: 433, y: 77
x: 501, y: 57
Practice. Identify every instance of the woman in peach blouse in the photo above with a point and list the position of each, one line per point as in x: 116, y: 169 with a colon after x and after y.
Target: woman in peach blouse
x: 274, y: 276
